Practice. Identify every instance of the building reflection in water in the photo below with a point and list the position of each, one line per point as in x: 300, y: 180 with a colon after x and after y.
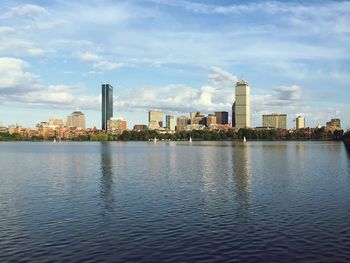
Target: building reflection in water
x: 106, y: 180
x: 241, y: 161
x: 347, y: 148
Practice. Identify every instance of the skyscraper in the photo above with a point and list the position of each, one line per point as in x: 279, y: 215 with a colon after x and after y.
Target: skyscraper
x: 76, y: 119
x: 234, y: 114
x: 300, y: 122
x: 107, y: 104
x: 275, y: 120
x: 170, y: 122
x: 242, y: 109
x: 116, y: 125
x: 155, y: 119
x: 221, y: 117
x: 211, y: 120
x: 181, y: 123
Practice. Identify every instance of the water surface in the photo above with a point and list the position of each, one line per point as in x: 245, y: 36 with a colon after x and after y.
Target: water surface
x: 175, y: 202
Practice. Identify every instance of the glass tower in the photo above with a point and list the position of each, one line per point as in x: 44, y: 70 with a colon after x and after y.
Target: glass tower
x: 107, y: 104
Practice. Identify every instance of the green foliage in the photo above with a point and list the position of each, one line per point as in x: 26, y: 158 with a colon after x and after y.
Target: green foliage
x: 196, y: 135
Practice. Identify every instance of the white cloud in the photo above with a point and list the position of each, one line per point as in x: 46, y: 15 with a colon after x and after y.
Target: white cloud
x: 220, y: 77
x: 27, y: 10
x: 107, y: 65
x: 14, y: 78
x: 6, y: 30
x: 88, y: 56
x: 48, y: 25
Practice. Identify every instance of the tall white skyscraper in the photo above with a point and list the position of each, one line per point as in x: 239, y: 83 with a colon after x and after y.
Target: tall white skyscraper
x: 300, y: 122
x: 242, y: 106
x: 170, y: 122
x: 155, y: 119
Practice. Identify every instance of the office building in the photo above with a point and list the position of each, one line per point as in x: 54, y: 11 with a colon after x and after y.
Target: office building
x: 140, y: 127
x: 334, y: 123
x: 155, y: 119
x: 107, y: 104
x: 211, y: 120
x: 242, y: 105
x: 55, y: 122
x: 76, y: 119
x: 116, y: 126
x: 275, y: 120
x: 198, y: 118
x: 300, y: 122
x: 221, y: 117
x: 182, y: 122
x: 233, y: 114
x: 170, y: 122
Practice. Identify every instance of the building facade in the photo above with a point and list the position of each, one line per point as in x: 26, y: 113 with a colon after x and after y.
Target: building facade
x: 242, y: 104
x: 299, y: 122
x: 55, y: 122
x: 233, y: 120
x: 155, y: 119
x: 181, y: 123
x: 77, y: 120
x: 211, y: 120
x: 170, y: 122
x: 334, y: 124
x: 221, y: 117
x: 275, y: 120
x: 116, y: 126
x: 107, y: 104
x: 140, y: 127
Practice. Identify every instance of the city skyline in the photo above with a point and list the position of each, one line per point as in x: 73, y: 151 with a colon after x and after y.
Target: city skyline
x: 50, y: 63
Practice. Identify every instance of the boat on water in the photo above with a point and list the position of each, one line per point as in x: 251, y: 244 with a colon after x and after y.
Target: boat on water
x: 190, y: 140
x: 54, y: 139
x: 155, y: 139
x: 244, y: 139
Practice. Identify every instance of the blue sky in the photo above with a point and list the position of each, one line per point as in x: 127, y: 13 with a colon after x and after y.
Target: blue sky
x: 177, y: 56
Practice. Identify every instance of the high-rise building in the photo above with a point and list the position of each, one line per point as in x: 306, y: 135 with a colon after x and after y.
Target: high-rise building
x: 170, y: 122
x: 275, y: 120
x: 55, y: 122
x: 334, y: 123
x: 300, y: 122
x: 211, y: 120
x: 198, y: 118
x: 242, y: 107
x: 76, y: 119
x: 116, y: 125
x: 234, y: 114
x: 107, y: 104
x: 155, y: 119
x: 140, y: 127
x: 182, y: 122
x: 221, y: 117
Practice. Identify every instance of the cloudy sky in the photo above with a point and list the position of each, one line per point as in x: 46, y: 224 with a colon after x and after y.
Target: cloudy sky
x: 177, y: 56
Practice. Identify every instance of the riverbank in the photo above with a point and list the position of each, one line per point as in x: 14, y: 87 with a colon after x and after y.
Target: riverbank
x: 194, y: 135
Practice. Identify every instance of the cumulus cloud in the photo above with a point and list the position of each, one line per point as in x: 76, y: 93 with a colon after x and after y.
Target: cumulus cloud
x: 47, y: 25
x: 27, y: 10
x: 88, y: 56
x: 107, y: 65
x: 6, y: 30
x: 288, y: 93
x: 14, y: 77
x: 220, y: 77
x: 17, y: 85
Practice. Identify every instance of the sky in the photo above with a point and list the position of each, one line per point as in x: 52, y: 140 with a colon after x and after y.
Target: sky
x: 177, y: 56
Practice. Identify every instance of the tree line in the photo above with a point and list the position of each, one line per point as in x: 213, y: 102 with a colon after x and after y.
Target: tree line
x: 195, y: 135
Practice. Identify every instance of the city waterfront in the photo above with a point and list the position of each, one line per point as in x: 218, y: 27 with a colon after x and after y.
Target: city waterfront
x: 175, y: 201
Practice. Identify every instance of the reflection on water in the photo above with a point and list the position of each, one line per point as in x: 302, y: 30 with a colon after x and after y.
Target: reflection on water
x: 241, y: 162
x: 106, y: 180
x: 175, y: 202
x: 347, y: 147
